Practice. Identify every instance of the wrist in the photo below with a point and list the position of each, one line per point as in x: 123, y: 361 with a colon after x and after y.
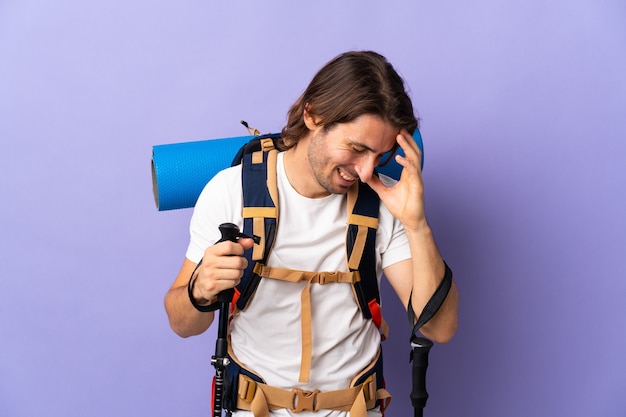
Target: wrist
x: 419, y: 227
x: 201, y: 304
x: 199, y: 300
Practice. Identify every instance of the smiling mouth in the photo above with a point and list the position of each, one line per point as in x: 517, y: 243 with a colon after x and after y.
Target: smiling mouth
x: 345, y: 175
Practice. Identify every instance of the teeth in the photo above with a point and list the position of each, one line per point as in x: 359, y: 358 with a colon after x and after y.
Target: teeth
x: 345, y: 176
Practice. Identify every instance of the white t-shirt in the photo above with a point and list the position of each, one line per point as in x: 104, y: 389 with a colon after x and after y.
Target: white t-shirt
x: 266, y: 337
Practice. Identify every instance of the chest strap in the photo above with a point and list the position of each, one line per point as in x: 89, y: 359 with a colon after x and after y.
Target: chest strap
x: 291, y: 275
x: 322, y: 278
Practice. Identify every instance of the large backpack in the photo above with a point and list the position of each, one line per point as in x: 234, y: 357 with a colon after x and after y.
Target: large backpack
x: 260, y: 214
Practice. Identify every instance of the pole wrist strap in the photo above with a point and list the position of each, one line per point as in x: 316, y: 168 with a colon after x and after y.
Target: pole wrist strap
x: 433, y: 305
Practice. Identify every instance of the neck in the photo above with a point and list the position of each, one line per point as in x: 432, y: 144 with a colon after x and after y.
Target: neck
x: 299, y: 172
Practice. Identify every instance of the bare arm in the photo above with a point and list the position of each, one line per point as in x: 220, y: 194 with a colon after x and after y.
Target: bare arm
x: 443, y: 325
x: 222, y: 268
x: 423, y: 273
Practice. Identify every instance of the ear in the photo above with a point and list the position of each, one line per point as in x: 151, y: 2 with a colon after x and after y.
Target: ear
x: 309, y: 120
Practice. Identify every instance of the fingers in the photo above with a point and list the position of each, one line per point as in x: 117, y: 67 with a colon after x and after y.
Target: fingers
x: 222, y: 268
x: 246, y: 243
x: 227, y: 248
x: 412, y: 153
x: 410, y: 162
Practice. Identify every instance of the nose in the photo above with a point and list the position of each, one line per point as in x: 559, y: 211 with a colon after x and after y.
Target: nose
x: 365, y: 167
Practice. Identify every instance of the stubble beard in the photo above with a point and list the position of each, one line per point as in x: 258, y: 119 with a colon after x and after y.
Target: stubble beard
x: 318, y: 162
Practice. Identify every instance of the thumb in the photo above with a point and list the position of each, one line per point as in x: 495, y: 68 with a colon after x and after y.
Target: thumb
x: 246, y: 242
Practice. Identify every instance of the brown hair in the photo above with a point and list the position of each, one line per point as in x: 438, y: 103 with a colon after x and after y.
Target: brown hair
x: 352, y: 84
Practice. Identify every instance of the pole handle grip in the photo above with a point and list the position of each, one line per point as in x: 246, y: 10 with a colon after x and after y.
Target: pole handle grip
x: 420, y: 348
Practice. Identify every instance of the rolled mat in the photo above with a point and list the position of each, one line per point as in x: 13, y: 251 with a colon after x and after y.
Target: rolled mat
x: 181, y: 170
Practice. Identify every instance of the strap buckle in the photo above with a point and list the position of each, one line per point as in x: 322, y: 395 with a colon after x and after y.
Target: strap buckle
x: 267, y: 144
x: 247, y: 389
x: 304, y: 400
x: 369, y: 388
x: 325, y: 277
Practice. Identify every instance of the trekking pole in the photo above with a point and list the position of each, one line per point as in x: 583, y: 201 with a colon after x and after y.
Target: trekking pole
x: 230, y: 232
x: 419, y: 356
x: 420, y: 346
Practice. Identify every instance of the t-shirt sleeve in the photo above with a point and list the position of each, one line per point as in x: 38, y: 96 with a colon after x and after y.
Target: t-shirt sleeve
x: 392, y: 241
x: 398, y: 247
x: 219, y: 202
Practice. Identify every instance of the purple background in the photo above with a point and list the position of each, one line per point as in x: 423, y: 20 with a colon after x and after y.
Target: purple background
x: 522, y: 106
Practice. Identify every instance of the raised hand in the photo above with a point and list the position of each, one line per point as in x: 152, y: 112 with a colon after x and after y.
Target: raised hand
x: 405, y: 200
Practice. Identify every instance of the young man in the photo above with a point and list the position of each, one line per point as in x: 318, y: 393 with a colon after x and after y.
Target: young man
x: 354, y: 110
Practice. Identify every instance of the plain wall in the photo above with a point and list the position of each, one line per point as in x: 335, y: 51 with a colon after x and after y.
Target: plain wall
x: 522, y: 107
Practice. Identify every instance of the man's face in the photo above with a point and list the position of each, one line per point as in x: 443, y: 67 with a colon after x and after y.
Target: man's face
x: 349, y: 151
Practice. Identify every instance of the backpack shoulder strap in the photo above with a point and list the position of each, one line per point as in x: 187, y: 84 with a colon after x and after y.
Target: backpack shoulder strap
x: 260, y: 207
x: 363, y: 208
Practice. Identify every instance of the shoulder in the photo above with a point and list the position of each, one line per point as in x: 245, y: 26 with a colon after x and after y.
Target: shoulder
x: 226, y: 179
x: 221, y: 195
x: 219, y: 202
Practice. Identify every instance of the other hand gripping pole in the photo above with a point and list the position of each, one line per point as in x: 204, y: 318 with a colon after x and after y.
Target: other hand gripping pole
x: 230, y: 232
